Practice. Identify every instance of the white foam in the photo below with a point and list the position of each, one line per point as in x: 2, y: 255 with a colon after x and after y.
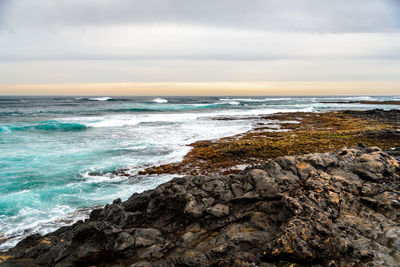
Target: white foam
x: 5, y: 129
x: 45, y: 221
x: 160, y: 100
x: 261, y: 111
x: 242, y: 99
x: 131, y: 120
x: 171, y: 140
x: 105, y: 98
x: 348, y: 98
x: 255, y: 99
x: 39, y: 221
x: 118, y: 121
x: 279, y: 98
x: 101, y: 178
x: 135, y: 119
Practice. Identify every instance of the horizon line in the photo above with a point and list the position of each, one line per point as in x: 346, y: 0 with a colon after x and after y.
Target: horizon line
x: 277, y: 88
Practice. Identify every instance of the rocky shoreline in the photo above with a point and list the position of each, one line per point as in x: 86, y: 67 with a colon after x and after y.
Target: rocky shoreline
x: 298, y: 133
x: 364, y: 102
x: 285, y: 209
x: 322, y: 209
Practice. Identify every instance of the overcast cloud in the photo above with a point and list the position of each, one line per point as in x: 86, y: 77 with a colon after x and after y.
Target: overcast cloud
x: 268, y: 40
x: 271, y: 15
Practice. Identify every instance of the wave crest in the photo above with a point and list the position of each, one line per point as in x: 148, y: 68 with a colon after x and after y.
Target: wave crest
x: 106, y: 98
x: 103, y: 98
x: 45, y: 126
x: 160, y: 100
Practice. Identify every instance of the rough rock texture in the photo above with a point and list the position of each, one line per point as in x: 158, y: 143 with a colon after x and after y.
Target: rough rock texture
x: 332, y: 209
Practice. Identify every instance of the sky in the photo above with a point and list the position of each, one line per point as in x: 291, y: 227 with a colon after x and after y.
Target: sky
x: 167, y: 47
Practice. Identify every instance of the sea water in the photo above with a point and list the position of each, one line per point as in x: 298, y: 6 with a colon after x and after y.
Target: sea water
x: 58, y: 154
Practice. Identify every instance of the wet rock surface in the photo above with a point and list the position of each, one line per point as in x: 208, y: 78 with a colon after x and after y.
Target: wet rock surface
x: 330, y: 209
x: 297, y: 133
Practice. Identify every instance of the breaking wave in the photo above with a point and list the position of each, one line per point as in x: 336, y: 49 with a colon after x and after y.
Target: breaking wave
x: 45, y: 126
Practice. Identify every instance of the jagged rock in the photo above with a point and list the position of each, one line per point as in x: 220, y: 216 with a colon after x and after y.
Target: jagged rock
x: 218, y: 210
x: 146, y: 237
x: 330, y: 209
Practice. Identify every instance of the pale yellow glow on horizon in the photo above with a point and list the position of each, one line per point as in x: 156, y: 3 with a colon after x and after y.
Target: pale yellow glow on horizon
x: 208, y: 88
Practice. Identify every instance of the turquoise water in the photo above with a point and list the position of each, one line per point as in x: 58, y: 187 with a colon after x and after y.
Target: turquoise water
x: 51, y: 147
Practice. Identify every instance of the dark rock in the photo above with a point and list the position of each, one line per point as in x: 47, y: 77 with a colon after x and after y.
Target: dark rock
x: 146, y: 237
x: 362, y: 145
x: 219, y: 210
x: 330, y: 209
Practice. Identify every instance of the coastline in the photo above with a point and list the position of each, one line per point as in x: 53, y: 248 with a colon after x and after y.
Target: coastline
x: 322, y: 209
x: 299, y: 133
x: 365, y: 102
x: 200, y: 134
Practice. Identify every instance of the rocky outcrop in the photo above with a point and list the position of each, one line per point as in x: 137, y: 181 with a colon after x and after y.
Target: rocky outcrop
x: 331, y: 209
x: 314, y: 132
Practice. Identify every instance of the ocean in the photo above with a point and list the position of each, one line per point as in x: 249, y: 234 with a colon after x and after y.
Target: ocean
x: 58, y: 154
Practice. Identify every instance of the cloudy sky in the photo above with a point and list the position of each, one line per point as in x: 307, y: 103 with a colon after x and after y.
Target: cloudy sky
x: 72, y: 46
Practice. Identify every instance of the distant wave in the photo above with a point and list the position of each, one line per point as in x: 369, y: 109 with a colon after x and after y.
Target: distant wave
x: 261, y: 111
x: 160, y: 100
x: 278, y: 98
x: 45, y: 126
x: 242, y: 99
x: 11, y: 113
x: 234, y: 103
x: 168, y: 107
x: 255, y: 99
x: 103, y: 98
x: 353, y: 98
x: 130, y: 120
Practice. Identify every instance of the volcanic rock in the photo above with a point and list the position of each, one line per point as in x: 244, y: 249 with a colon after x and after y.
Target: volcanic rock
x: 330, y: 209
